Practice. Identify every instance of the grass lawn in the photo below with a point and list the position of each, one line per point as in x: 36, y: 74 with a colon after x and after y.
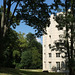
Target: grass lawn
x: 10, y: 71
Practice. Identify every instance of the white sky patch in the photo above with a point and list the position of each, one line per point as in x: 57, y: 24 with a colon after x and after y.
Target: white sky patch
x: 38, y: 39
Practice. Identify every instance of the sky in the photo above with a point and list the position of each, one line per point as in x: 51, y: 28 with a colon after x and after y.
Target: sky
x: 23, y: 27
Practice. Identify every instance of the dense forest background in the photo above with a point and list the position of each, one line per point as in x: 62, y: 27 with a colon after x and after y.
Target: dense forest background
x: 22, y: 51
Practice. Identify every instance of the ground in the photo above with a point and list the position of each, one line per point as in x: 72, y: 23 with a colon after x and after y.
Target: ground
x: 10, y: 71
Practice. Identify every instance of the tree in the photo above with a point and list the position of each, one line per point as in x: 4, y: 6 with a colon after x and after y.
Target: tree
x: 36, y: 59
x: 32, y: 55
x: 22, y: 42
x: 10, y: 45
x: 15, y: 44
x: 33, y: 12
x: 16, y: 58
x: 30, y: 37
x: 26, y: 59
x: 22, y: 45
x: 32, y: 42
x: 4, y: 41
x: 67, y: 21
x: 31, y: 59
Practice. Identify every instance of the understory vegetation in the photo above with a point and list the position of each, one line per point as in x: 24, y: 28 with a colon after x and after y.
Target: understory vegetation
x: 22, y: 51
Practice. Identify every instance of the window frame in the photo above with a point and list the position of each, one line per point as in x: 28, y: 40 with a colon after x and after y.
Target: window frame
x: 49, y: 45
x: 57, y: 54
x: 58, y: 65
x: 50, y: 54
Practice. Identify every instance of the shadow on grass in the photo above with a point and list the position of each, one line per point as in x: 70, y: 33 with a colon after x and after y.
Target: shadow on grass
x: 39, y: 73
x: 10, y: 71
x: 33, y: 73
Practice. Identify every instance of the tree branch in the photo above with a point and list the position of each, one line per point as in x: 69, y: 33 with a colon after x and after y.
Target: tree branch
x: 67, y: 42
x: 14, y: 11
x: 3, y: 14
x: 8, y: 10
x: 4, y: 10
x: 12, y: 3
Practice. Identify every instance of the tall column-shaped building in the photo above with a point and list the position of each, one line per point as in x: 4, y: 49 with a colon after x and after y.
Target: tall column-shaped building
x: 52, y: 59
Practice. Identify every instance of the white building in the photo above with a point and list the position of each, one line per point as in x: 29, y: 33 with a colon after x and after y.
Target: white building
x: 52, y: 60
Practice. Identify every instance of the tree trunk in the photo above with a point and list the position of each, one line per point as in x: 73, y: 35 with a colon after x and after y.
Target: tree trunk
x: 1, y: 39
x: 67, y: 41
x: 72, y: 37
x: 2, y: 35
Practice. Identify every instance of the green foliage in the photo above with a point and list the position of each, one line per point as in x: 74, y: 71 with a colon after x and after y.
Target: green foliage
x: 33, y: 12
x: 11, y: 44
x: 32, y: 57
x: 20, y: 51
x: 36, y: 59
x: 30, y: 37
x: 22, y: 42
x: 16, y: 56
x: 15, y: 52
x: 26, y: 59
x: 66, y: 20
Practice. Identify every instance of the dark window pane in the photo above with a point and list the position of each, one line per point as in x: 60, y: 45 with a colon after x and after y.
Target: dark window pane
x: 49, y: 54
x: 57, y: 54
x: 49, y: 45
x: 58, y: 65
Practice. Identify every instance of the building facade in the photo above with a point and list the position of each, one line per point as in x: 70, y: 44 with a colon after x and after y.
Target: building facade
x: 52, y: 59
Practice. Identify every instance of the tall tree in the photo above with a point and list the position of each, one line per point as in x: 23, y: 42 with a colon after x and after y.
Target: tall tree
x: 32, y: 56
x: 67, y: 20
x: 33, y: 12
x: 22, y: 42
x: 10, y: 46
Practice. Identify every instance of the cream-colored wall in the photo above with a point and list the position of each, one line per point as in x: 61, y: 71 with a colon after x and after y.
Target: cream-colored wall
x: 53, y: 31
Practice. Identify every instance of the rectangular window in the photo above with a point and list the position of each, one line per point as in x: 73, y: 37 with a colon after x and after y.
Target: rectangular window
x: 61, y: 36
x: 50, y: 36
x: 58, y: 65
x: 50, y: 55
x: 57, y: 54
x: 49, y: 45
x: 49, y: 65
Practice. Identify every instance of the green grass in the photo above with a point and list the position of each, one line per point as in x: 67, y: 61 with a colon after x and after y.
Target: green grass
x: 10, y: 71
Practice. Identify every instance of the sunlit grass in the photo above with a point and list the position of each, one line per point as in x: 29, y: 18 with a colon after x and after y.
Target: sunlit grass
x: 32, y: 70
x: 10, y: 71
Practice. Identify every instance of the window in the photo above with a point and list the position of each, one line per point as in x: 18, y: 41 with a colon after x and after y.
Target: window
x: 50, y: 36
x: 58, y: 65
x: 60, y: 36
x: 62, y: 64
x: 57, y: 54
x: 49, y: 54
x: 49, y: 45
x: 49, y: 65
